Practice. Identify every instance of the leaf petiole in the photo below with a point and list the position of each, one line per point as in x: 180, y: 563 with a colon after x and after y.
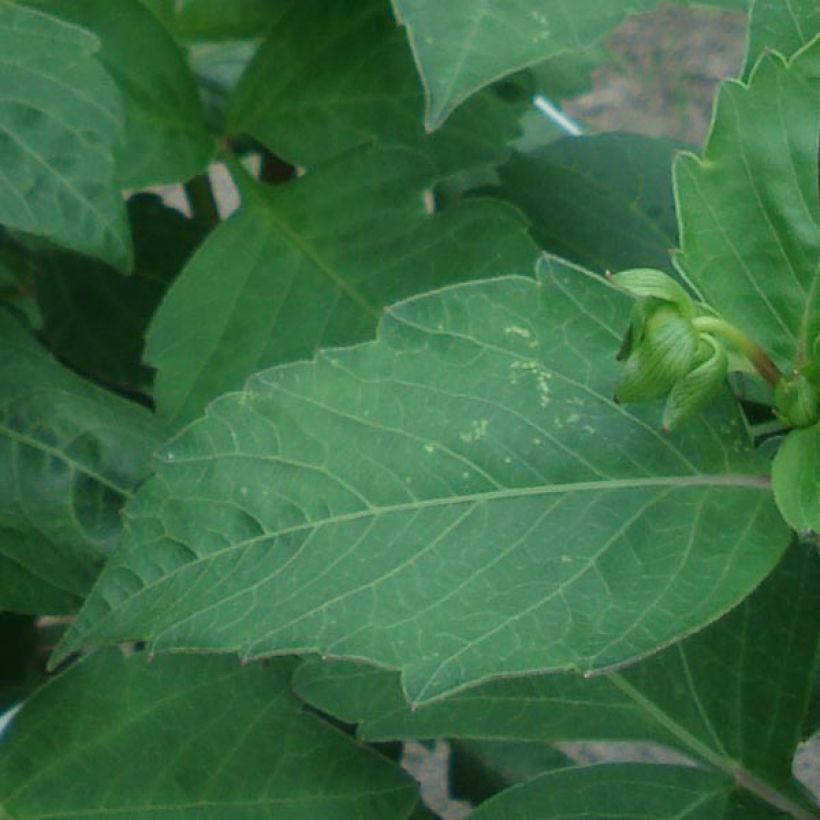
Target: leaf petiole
x: 750, y: 349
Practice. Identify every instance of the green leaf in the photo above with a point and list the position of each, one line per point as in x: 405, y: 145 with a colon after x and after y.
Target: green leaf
x: 313, y: 264
x: 414, y: 502
x: 334, y: 75
x: 796, y: 479
x: 482, y: 768
x: 750, y: 219
x: 784, y: 26
x: 18, y: 657
x: 189, y: 737
x: 760, y: 656
x: 543, y: 708
x: 166, y: 138
x: 603, y: 201
x: 626, y: 790
x: 215, y: 20
x: 458, y: 49
x: 710, y: 696
x: 72, y: 453
x: 60, y: 126
x: 94, y: 318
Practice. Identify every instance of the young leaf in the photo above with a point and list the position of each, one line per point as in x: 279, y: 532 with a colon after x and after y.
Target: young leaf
x: 71, y: 453
x: 603, y: 201
x: 784, y: 26
x: 188, y: 736
x: 60, y: 127
x: 94, y: 318
x: 749, y: 214
x: 625, y: 790
x: 415, y: 502
x: 334, y: 75
x: 313, y: 263
x: 796, y: 479
x: 166, y: 139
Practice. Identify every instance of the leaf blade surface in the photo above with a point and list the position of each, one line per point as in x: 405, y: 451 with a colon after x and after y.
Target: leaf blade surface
x: 201, y: 736
x: 467, y: 443
x: 60, y: 128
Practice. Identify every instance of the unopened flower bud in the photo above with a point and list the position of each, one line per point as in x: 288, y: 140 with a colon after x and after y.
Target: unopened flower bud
x: 654, y: 284
x: 696, y: 388
x: 797, y: 401
x: 662, y: 356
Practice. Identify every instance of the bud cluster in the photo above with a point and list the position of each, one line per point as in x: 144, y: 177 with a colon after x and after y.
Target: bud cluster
x: 672, y: 347
x: 665, y: 351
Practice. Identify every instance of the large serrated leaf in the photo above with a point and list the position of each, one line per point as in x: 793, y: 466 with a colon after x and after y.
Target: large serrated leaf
x: 71, y: 454
x: 190, y: 737
x: 334, y: 75
x: 60, y: 126
x: 313, y: 264
x: 415, y: 502
x: 733, y: 695
x: 166, y: 138
x: 749, y: 211
x: 780, y: 25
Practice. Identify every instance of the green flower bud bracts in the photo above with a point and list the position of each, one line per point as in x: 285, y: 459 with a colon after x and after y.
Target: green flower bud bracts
x: 691, y: 393
x: 797, y: 401
x: 657, y: 359
x: 646, y: 283
x: 672, y: 347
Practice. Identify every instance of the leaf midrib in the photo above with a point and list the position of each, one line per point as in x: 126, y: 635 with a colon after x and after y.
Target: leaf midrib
x: 730, y: 480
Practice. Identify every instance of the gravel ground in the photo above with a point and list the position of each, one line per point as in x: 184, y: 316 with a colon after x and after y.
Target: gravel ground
x: 662, y: 73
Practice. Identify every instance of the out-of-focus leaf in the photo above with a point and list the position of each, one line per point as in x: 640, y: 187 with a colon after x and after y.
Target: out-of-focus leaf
x: 94, y: 318
x: 18, y: 647
x: 796, y: 479
x: 604, y: 202
x: 60, y: 127
x: 165, y: 135
x: 313, y: 263
x: 481, y: 768
x: 334, y: 75
x: 415, y: 502
x: 217, y: 21
x: 749, y: 211
x: 626, y: 790
x: 191, y: 737
x: 71, y: 454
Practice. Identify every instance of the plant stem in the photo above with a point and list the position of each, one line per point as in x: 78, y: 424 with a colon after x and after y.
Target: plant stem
x: 200, y: 195
x: 751, y: 350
